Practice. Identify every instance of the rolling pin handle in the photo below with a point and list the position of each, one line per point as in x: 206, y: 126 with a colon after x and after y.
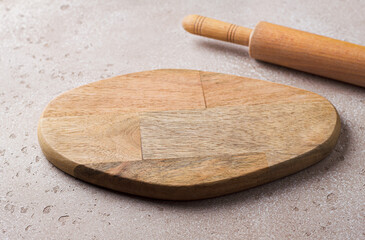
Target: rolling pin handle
x: 216, y: 29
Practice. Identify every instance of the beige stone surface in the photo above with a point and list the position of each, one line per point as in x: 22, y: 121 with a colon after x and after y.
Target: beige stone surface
x: 48, y: 47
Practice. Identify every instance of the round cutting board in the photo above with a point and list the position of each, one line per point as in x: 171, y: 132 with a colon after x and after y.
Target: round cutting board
x: 184, y: 134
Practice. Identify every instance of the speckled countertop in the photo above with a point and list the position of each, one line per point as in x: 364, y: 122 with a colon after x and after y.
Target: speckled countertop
x: 48, y: 47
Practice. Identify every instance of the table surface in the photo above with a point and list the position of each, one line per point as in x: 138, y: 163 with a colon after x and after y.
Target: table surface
x: 48, y: 47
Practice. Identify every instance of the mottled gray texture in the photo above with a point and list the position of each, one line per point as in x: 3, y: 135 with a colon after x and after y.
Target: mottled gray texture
x: 48, y: 47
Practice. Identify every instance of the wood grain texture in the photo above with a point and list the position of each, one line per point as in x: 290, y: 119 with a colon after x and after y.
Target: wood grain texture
x: 280, y: 131
x: 92, y: 138
x: 204, y: 143
x: 288, y: 47
x: 230, y: 90
x: 203, y: 176
x: 309, y: 52
x: 142, y: 91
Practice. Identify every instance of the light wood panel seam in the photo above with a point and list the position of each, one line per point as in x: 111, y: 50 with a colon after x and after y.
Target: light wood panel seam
x: 217, y: 156
x: 201, y: 82
x: 245, y: 154
x: 140, y: 135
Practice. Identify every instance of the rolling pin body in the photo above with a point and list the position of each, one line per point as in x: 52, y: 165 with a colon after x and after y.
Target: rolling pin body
x: 288, y: 47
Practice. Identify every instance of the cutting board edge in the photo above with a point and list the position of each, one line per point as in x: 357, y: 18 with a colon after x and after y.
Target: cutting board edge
x: 199, y: 191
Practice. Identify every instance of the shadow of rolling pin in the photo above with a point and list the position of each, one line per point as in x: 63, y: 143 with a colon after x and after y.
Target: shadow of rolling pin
x: 289, y: 47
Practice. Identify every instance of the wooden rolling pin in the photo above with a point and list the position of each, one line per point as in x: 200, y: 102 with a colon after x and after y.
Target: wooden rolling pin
x: 288, y: 47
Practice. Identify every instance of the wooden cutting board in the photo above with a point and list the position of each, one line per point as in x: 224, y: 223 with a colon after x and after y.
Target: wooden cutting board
x: 184, y: 134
